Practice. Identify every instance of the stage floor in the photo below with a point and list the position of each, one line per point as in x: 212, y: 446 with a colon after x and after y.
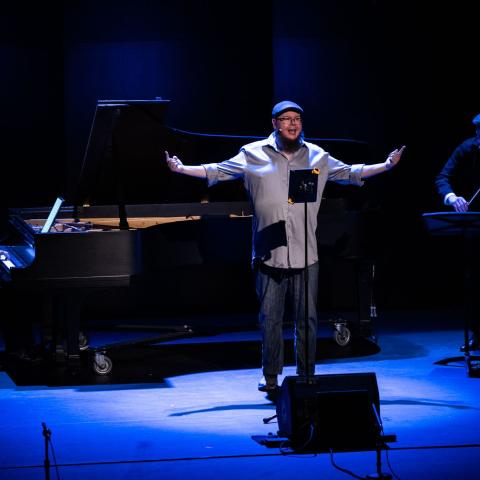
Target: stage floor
x: 189, y: 409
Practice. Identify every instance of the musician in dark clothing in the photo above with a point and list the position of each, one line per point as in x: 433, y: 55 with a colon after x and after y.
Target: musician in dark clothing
x: 458, y: 184
x: 459, y: 179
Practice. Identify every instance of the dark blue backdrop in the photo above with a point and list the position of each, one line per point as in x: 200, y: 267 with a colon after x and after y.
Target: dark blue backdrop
x: 389, y: 73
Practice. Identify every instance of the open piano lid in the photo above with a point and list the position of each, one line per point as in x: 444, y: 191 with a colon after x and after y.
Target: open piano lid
x: 121, y: 155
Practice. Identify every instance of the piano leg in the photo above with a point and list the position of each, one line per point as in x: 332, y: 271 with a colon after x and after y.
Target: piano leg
x: 16, y: 324
x: 365, y: 272
x: 48, y: 341
x: 61, y: 326
x: 72, y: 329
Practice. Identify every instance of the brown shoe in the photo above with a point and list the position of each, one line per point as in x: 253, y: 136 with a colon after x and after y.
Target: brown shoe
x: 268, y: 383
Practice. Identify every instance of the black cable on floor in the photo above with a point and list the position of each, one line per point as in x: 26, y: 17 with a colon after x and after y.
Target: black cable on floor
x: 344, y: 470
x: 390, y: 466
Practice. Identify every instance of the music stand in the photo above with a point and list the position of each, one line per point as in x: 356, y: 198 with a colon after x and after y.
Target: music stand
x: 302, y: 187
x: 465, y: 225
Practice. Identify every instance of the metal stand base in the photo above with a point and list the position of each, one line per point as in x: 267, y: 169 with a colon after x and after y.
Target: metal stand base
x: 379, y: 474
x: 472, y: 364
x: 382, y: 476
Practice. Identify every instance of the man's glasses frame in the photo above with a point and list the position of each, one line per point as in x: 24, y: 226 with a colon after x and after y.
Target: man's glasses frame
x: 297, y: 119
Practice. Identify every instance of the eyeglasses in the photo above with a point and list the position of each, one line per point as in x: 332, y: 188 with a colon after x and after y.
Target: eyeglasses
x: 290, y: 119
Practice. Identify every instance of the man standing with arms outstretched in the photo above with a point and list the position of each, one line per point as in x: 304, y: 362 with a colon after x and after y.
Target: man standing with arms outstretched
x: 278, y: 254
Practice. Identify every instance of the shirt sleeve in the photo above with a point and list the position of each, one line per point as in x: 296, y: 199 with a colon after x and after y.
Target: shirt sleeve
x: 443, y: 181
x: 227, y: 170
x: 343, y: 173
x: 447, y: 197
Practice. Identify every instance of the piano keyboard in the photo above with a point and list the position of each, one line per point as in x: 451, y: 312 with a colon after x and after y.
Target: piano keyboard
x: 6, y: 260
x: 10, y: 258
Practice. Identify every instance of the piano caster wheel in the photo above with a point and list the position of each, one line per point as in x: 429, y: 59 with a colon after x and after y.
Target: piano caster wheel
x: 82, y: 342
x: 102, y: 365
x: 342, y: 334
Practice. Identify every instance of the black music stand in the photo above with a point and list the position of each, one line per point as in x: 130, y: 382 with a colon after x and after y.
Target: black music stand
x: 302, y: 187
x: 465, y: 225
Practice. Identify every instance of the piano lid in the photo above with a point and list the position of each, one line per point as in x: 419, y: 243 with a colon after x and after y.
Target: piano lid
x: 124, y: 160
x: 121, y: 133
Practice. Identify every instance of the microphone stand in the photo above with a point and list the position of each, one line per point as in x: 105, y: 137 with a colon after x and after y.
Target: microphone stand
x: 46, y: 462
x: 305, y: 188
x: 303, y: 185
x: 378, y: 475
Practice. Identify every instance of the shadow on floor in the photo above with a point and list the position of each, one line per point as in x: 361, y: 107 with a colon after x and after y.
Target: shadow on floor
x: 154, y: 363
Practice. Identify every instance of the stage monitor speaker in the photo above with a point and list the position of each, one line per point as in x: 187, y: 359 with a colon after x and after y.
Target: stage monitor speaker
x: 338, y: 412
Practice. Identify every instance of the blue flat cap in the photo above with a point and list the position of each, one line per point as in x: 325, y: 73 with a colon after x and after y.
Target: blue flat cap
x: 476, y: 120
x: 285, y: 106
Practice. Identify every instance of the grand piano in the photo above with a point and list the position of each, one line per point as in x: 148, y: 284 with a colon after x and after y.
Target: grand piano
x: 167, y: 240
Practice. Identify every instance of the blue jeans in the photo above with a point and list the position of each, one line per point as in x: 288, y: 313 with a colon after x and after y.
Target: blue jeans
x: 275, y: 287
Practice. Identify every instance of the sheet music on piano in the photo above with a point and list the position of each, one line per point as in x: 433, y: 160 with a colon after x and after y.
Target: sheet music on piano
x: 52, y: 216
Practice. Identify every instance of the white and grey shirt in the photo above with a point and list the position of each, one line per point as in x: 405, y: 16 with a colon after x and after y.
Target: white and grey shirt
x: 278, y: 225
